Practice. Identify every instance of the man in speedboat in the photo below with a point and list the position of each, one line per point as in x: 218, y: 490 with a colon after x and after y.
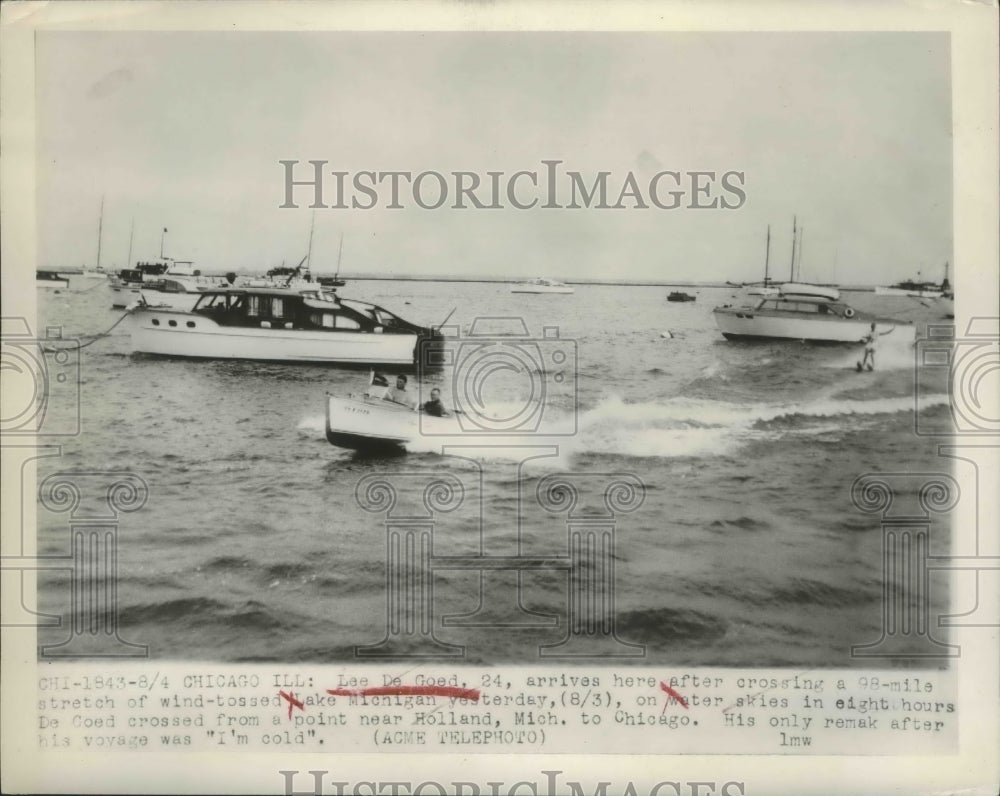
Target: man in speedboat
x: 398, y: 393
x: 434, y: 407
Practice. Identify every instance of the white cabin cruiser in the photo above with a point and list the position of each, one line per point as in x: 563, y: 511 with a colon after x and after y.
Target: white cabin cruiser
x: 277, y: 325
x: 804, y: 312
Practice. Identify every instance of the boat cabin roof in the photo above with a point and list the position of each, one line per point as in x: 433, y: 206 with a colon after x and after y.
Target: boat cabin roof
x: 315, y: 308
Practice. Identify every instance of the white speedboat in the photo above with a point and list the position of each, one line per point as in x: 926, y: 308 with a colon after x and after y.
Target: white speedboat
x: 804, y: 312
x: 50, y: 279
x: 279, y: 325
x: 368, y: 423
x: 541, y: 285
x: 94, y: 273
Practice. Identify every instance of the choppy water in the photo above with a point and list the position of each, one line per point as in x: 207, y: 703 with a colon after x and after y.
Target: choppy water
x: 746, y: 551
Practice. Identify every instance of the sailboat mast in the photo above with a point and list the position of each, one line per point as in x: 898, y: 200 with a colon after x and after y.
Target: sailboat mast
x: 795, y: 233
x: 340, y: 250
x: 100, y: 228
x: 128, y: 260
x: 767, y: 255
x: 798, y: 257
x: 312, y: 226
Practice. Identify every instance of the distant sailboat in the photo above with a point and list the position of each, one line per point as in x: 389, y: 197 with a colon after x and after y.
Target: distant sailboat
x: 765, y: 288
x: 335, y: 280
x: 97, y: 272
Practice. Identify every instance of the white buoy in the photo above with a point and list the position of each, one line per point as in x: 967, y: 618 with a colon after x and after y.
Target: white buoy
x: 666, y: 335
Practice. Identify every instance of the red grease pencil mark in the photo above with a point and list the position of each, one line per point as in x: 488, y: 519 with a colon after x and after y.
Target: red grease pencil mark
x: 409, y: 690
x: 676, y: 695
x: 292, y: 702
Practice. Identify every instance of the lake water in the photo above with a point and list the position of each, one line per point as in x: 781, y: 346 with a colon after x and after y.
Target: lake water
x: 746, y: 551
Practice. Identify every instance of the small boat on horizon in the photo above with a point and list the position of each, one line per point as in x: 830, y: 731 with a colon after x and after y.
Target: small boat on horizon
x: 541, y: 285
x: 677, y: 295
x: 281, y: 325
x: 804, y: 312
x: 916, y: 288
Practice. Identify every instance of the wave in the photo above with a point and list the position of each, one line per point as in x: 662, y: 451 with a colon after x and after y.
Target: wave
x: 663, y: 625
x: 187, y: 610
x: 677, y: 427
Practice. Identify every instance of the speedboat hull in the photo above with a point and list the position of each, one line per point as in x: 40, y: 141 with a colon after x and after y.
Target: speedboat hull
x: 372, y: 424
x: 745, y: 323
x: 166, y: 332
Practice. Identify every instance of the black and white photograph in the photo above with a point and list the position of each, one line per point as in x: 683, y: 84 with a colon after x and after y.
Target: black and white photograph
x: 492, y: 385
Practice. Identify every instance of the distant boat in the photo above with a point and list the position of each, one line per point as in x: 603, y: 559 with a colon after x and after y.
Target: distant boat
x: 97, y: 272
x: 175, y: 283
x: 50, y: 279
x: 804, y: 312
x: 679, y: 296
x: 541, y: 285
x: 281, y: 276
x: 126, y: 283
x: 279, y: 325
x: 911, y: 288
x: 915, y: 288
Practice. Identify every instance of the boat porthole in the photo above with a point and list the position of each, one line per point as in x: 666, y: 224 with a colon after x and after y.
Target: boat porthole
x: 190, y: 324
x: 156, y: 321
x: 171, y: 323
x: 849, y: 313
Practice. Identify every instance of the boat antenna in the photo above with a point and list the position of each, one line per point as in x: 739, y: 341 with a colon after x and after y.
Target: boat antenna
x: 767, y: 255
x: 128, y: 262
x: 795, y: 233
x: 100, y: 227
x: 945, y: 284
x: 447, y: 318
x: 162, y: 236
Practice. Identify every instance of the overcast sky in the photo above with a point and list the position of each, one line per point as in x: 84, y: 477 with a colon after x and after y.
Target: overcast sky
x: 850, y: 132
